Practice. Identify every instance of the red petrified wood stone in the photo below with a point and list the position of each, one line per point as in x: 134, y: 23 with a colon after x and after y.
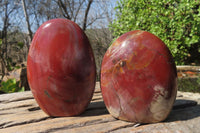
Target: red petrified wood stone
x: 139, y: 78
x: 61, y: 68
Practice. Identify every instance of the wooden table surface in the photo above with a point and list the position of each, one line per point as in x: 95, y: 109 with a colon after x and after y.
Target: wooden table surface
x: 19, y: 113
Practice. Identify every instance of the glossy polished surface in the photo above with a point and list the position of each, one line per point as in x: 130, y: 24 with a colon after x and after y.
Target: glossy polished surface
x: 138, y: 78
x: 61, y: 68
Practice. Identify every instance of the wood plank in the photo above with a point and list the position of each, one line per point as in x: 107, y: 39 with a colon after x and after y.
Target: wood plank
x: 105, y: 127
x: 54, y: 124
x: 190, y: 126
x: 18, y: 96
x: 17, y: 104
x: 19, y: 112
x: 188, y: 68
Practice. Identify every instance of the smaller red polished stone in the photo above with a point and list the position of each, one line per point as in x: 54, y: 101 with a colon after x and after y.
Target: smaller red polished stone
x: 61, y: 68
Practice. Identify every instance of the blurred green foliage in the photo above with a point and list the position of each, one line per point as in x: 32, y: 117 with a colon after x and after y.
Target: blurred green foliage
x: 20, y: 44
x: 176, y: 22
x: 189, y: 84
x: 10, y: 86
x: 0, y: 42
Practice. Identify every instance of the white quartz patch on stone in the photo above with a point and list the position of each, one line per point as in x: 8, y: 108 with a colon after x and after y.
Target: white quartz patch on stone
x: 160, y: 106
x: 114, y: 111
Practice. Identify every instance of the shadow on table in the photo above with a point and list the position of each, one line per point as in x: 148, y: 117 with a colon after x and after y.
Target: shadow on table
x: 184, y: 110
x: 95, y: 109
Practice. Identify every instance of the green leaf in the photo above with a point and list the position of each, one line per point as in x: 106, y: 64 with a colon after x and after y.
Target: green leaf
x: 20, y: 44
x: 10, y: 86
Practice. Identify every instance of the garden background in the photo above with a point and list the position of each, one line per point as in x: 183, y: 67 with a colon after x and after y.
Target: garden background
x: 175, y: 22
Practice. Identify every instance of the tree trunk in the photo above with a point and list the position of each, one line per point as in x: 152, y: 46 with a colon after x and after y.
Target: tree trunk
x: 86, y: 15
x: 27, y: 22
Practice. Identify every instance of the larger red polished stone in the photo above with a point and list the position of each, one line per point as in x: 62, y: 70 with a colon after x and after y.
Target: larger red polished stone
x: 138, y: 78
x: 61, y: 68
